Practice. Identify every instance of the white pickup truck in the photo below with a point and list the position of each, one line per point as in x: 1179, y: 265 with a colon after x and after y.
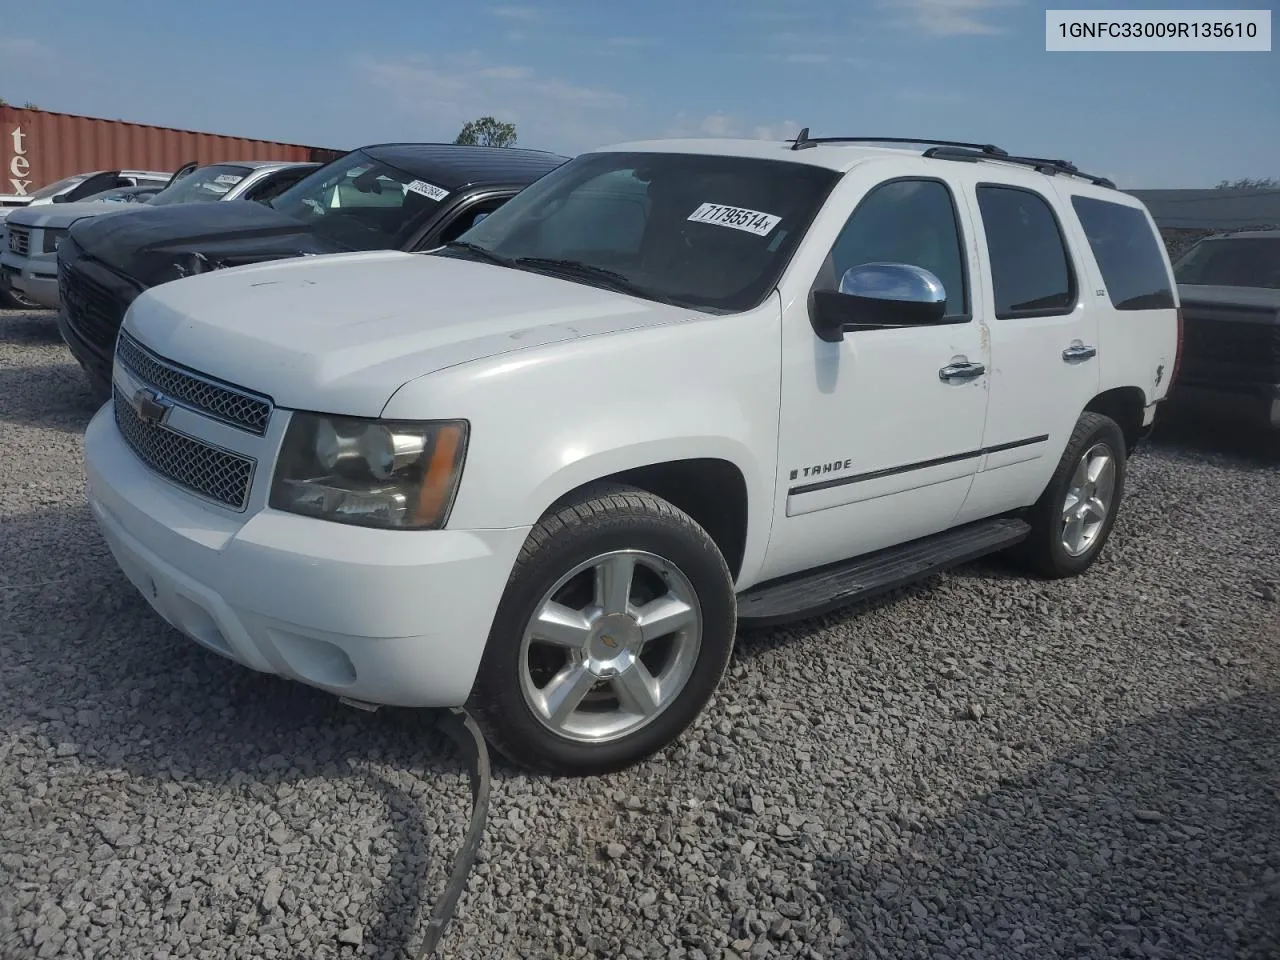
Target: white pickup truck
x: 545, y: 470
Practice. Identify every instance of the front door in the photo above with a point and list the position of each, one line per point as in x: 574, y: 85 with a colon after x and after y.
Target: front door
x: 880, y: 433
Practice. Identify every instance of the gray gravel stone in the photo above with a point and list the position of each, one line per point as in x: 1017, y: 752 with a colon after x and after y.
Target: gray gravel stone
x: 839, y: 799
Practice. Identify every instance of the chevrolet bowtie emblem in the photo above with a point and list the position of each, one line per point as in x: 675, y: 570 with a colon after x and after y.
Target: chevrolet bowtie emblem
x: 150, y: 406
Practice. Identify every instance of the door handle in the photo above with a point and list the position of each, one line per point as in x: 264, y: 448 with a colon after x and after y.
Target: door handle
x: 1079, y: 351
x: 960, y: 371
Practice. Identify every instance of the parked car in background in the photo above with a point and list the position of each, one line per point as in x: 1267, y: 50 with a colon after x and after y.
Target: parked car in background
x: 1229, y: 287
x: 398, y: 196
x: 30, y: 256
x: 125, y: 195
x: 546, y: 470
x: 71, y: 189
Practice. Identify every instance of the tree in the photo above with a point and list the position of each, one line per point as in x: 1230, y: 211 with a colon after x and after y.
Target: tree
x: 1250, y: 183
x: 487, y: 132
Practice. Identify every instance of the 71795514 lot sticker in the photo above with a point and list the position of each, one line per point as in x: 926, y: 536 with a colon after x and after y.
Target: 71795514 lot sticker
x: 739, y: 218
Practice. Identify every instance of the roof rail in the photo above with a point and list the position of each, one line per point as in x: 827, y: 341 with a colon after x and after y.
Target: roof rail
x: 803, y: 141
x: 959, y: 150
x: 1040, y: 164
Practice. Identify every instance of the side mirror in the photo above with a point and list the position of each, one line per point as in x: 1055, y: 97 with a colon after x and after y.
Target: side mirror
x: 60, y: 198
x: 873, y: 296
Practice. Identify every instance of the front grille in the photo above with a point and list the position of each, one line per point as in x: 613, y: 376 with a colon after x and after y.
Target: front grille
x: 92, y: 309
x: 19, y: 240
x: 223, y: 402
x: 1230, y: 349
x: 220, y: 475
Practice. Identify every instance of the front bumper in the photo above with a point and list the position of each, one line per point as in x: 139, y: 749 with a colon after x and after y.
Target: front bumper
x: 96, y: 364
x: 37, y: 279
x: 389, y: 617
x: 1252, y: 405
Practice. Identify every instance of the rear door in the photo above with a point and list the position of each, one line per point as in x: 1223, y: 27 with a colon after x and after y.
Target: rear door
x: 1044, y: 340
x: 1133, y: 292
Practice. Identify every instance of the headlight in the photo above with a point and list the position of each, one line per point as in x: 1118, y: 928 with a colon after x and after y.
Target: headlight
x: 373, y: 473
x: 52, y: 238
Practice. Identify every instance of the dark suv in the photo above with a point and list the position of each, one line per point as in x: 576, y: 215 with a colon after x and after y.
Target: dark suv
x: 393, y: 196
x: 1229, y: 287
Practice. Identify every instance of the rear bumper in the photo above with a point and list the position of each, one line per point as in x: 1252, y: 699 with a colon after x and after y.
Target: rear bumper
x: 1250, y: 405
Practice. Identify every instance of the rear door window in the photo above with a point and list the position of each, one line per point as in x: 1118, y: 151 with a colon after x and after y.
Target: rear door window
x: 1128, y: 254
x: 1031, y: 271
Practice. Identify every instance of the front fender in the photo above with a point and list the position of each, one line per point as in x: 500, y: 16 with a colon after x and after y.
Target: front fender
x: 553, y: 418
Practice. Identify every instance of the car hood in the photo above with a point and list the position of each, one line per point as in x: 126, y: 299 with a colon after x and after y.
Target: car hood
x: 342, y: 333
x: 62, y: 215
x: 157, y: 244
x: 1190, y: 294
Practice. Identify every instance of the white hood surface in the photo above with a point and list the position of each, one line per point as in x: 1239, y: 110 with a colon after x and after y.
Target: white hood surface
x: 341, y: 333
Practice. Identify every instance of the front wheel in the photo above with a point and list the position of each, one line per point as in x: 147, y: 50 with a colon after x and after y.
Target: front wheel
x: 1074, y: 516
x: 614, y: 631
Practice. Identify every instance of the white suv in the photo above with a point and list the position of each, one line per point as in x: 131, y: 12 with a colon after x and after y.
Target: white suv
x: 546, y: 470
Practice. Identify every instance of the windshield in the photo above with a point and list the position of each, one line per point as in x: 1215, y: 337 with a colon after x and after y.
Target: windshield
x: 202, y: 185
x: 1242, y: 262
x: 361, y: 203
x: 57, y: 187
x: 709, y: 232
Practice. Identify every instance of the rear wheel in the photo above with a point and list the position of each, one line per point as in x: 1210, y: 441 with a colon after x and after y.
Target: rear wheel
x: 614, y: 631
x: 1073, y: 518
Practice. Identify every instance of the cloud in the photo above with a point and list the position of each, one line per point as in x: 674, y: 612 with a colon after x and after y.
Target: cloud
x: 727, y: 125
x: 628, y: 41
x: 949, y: 18
x: 443, y: 93
x: 515, y: 13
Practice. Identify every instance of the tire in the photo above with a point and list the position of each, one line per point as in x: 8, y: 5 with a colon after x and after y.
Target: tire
x: 598, y: 533
x: 1045, y: 551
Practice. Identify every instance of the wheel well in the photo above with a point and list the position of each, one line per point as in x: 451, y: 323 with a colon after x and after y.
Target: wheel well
x: 1124, y: 405
x: 713, y: 492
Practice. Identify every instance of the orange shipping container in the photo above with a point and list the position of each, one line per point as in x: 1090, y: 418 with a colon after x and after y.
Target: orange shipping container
x: 38, y: 147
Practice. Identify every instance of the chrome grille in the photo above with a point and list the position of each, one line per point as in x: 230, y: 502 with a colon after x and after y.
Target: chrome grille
x: 229, y: 404
x: 219, y: 475
x: 19, y: 240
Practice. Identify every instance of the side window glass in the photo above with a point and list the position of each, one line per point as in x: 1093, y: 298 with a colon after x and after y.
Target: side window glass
x: 1128, y: 254
x: 468, y: 217
x: 273, y: 186
x: 906, y: 221
x: 1030, y: 271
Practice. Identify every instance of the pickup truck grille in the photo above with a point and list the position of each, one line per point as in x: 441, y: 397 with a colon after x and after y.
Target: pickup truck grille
x: 210, y: 471
x: 19, y: 240
x: 92, y: 310
x: 231, y: 405
x: 1230, y: 350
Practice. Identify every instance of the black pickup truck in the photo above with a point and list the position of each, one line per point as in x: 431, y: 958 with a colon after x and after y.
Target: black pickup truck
x: 1229, y: 287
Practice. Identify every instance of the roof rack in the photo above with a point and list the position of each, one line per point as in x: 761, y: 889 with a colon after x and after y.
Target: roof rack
x: 1039, y: 164
x: 961, y: 151
x: 803, y: 142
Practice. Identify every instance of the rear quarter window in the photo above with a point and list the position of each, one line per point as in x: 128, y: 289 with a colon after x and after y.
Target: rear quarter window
x: 1128, y: 254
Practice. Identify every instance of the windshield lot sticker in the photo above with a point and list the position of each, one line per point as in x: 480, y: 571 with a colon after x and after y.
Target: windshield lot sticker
x: 428, y: 190
x: 739, y: 218
x: 230, y: 179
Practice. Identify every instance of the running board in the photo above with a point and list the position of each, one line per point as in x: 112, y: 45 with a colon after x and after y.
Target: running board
x: 816, y: 592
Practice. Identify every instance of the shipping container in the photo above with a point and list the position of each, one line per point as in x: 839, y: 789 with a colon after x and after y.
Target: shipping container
x: 39, y: 147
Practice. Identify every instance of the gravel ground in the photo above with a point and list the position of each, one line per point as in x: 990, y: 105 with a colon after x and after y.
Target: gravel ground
x: 984, y: 766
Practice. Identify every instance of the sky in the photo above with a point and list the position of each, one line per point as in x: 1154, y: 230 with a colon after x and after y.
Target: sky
x: 573, y: 75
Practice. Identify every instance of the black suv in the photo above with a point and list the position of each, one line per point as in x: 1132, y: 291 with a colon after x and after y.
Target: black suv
x: 392, y: 196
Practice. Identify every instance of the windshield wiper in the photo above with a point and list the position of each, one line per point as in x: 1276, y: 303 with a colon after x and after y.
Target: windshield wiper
x: 587, y: 271
x: 484, y: 254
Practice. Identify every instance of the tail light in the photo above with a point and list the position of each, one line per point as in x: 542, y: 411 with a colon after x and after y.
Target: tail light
x: 1177, y: 353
